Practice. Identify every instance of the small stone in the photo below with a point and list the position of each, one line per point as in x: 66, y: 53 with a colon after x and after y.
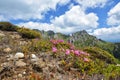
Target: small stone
x: 4, y: 64
x: 22, y: 42
x: 19, y: 75
x: 24, y: 72
x: 9, y: 57
x: 19, y: 55
x: 20, y: 63
x: 33, y: 56
x: 118, y: 65
x: 7, y: 50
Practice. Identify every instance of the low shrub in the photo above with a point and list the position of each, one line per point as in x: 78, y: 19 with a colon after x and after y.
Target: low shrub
x: 28, y: 33
x: 40, y: 45
x: 101, y: 54
x: 7, y: 26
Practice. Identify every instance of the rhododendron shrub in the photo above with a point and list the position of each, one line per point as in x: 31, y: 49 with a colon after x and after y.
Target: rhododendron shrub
x: 70, y: 56
x: 66, y: 53
x: 69, y: 49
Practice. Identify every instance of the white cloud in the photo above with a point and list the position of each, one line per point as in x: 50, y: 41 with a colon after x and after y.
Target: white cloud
x: 114, y: 15
x: 25, y: 10
x: 91, y: 3
x: 2, y: 18
x: 76, y: 18
x: 112, y: 33
x: 73, y: 20
x: 45, y: 27
x: 37, y: 25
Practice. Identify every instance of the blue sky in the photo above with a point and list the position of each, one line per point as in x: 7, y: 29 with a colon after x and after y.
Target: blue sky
x: 100, y: 18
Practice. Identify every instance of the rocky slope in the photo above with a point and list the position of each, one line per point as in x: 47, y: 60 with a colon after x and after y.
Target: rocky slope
x: 31, y: 66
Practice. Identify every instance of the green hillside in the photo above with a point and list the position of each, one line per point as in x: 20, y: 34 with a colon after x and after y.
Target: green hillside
x: 82, y: 39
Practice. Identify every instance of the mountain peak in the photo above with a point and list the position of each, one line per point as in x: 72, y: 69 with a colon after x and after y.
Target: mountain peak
x: 83, y: 31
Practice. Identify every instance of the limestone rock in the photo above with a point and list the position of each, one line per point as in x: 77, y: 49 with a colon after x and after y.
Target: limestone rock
x: 19, y: 75
x: 33, y: 56
x: 19, y: 55
x: 24, y: 73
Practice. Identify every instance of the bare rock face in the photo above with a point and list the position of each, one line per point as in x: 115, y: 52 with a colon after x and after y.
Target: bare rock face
x: 19, y: 55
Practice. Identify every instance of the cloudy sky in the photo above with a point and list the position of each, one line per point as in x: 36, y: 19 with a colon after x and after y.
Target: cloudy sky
x: 98, y: 17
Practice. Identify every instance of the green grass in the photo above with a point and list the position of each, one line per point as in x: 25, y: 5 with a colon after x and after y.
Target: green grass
x: 101, y: 54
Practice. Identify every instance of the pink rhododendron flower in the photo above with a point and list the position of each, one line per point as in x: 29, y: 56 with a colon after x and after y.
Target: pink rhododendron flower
x: 60, y: 40
x: 56, y: 41
x: 54, y: 49
x: 84, y: 53
x: 72, y: 47
x: 53, y: 41
x: 77, y: 52
x: 67, y: 51
x: 72, y: 51
x: 86, y: 60
x: 81, y: 52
